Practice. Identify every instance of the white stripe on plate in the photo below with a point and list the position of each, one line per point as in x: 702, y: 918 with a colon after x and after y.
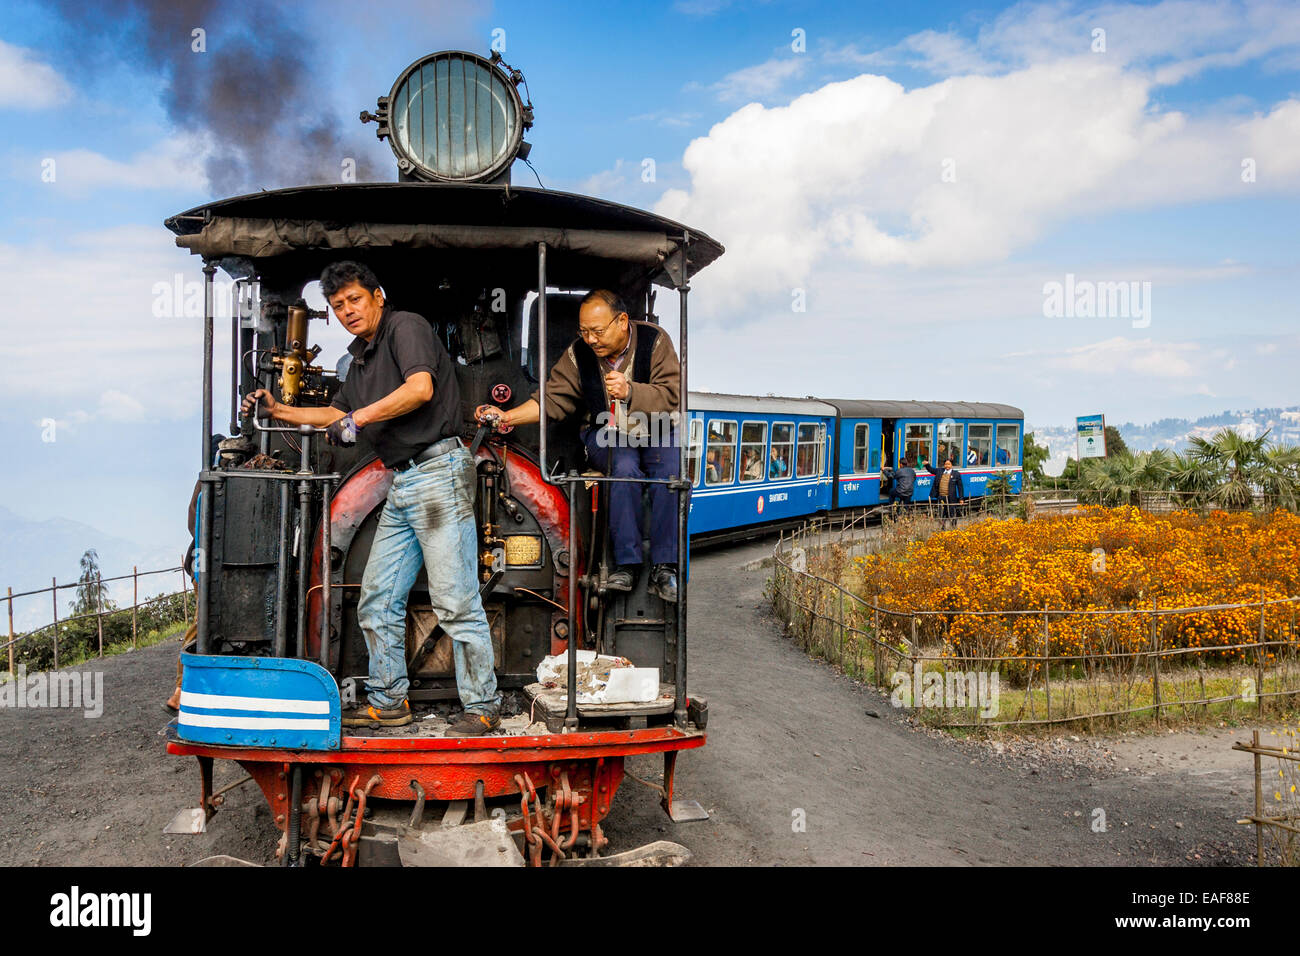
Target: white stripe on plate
x: 254, y: 723
x: 222, y: 702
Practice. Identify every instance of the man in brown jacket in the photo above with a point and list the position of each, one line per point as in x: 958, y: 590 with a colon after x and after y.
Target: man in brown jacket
x: 622, y: 377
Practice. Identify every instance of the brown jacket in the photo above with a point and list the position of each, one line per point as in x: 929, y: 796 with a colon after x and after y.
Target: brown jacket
x: 660, y: 394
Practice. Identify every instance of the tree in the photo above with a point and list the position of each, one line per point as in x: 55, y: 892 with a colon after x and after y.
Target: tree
x: 92, y: 595
x: 1114, y: 442
x: 1036, y: 456
x: 1237, y: 466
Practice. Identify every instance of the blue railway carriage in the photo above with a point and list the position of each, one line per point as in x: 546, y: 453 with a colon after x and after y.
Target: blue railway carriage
x: 758, y: 460
x: 983, y: 439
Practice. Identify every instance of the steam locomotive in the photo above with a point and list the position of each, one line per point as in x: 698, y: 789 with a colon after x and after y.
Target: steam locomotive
x: 285, y: 522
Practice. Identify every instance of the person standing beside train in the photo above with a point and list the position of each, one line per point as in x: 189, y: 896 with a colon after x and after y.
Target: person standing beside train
x: 946, y: 491
x: 401, y: 398
x: 620, y: 375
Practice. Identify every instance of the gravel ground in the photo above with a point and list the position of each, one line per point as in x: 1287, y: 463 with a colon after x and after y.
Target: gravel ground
x: 802, y: 766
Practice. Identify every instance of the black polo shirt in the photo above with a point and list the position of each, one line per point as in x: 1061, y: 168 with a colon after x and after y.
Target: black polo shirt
x: 403, y: 345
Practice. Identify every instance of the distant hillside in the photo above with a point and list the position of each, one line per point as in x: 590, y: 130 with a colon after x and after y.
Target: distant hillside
x: 1174, y: 434
x: 32, y: 552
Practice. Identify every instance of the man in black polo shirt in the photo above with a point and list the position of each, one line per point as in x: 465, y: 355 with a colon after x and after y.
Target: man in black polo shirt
x: 401, y: 397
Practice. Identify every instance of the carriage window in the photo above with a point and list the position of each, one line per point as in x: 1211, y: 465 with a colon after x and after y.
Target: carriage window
x: 753, y: 449
x: 1008, y: 444
x: 981, y: 442
x: 693, y: 450
x: 916, y: 444
x: 778, y: 463
x: 809, y: 450
x: 950, y: 445
x: 861, y: 446
x: 720, y: 457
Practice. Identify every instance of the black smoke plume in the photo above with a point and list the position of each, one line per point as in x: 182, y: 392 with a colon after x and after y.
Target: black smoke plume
x: 253, y: 90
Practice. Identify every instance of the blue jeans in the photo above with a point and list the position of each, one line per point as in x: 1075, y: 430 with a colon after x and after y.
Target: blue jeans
x: 428, y: 520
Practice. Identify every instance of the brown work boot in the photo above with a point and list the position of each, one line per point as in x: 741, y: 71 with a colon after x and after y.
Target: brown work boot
x: 173, y: 703
x: 368, y: 715
x: 473, y: 725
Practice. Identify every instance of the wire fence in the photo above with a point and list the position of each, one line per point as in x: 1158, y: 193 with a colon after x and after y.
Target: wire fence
x: 88, y: 633
x: 968, y: 683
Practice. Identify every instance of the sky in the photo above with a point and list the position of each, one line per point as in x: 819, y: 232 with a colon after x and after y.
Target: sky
x: 1073, y: 208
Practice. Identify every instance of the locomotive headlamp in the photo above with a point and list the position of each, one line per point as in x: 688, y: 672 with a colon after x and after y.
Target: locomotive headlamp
x: 455, y: 117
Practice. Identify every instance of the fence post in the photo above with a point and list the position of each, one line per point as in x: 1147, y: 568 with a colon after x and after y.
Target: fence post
x: 11, y: 631
x: 99, y: 612
x: 1259, y: 660
x: 1259, y: 803
x: 1155, y: 661
x: 54, y: 594
x: 875, y: 643
x: 1047, y: 665
x: 135, y: 601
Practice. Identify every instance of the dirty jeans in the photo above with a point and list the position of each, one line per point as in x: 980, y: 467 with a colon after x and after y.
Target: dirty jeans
x: 428, y: 520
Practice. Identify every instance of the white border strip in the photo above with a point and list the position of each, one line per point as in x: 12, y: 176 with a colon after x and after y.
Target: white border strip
x: 222, y: 702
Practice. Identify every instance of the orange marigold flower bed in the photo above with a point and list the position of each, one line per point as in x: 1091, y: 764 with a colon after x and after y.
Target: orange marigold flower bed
x: 1099, y: 559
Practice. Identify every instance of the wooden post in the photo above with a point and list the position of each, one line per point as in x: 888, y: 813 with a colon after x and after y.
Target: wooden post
x: 1259, y: 660
x: 11, y: 632
x: 135, y: 601
x: 1047, y: 665
x: 99, y: 612
x: 1259, y: 803
x: 1155, y: 661
x: 54, y: 592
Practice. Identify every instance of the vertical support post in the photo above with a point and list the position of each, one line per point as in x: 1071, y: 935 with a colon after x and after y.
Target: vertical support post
x: 304, y: 532
x: 54, y: 593
x: 1155, y: 661
x: 1259, y: 801
x: 135, y: 603
x: 683, y: 493
x: 325, y: 572
x: 281, y: 639
x: 1047, y: 664
x: 11, y: 630
x: 542, y: 369
x: 201, y: 595
x: 99, y: 612
x: 1259, y: 660
x: 571, y: 709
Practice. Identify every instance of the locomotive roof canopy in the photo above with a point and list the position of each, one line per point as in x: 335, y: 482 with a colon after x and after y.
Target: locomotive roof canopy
x: 594, y: 240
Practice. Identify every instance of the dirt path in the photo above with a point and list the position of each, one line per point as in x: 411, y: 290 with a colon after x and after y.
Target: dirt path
x: 789, y: 740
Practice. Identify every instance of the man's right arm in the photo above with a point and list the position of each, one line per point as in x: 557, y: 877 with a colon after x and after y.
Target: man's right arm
x: 293, y: 414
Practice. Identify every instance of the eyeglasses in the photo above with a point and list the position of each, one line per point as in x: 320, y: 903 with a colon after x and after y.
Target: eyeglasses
x: 591, y: 335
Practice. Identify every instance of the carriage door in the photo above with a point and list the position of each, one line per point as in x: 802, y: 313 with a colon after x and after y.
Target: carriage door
x: 888, y: 443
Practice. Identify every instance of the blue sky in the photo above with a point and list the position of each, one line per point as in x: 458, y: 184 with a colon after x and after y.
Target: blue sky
x: 915, y: 174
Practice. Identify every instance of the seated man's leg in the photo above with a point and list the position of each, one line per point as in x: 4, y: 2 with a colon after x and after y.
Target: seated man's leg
x: 391, y: 569
x: 662, y: 461
x: 443, y: 492
x: 619, y: 461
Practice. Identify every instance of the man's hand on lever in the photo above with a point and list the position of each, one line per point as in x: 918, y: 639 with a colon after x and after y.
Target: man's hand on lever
x: 268, y: 403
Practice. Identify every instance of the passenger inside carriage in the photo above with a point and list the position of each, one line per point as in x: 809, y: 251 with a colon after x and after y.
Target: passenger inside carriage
x: 778, y: 467
x: 615, y: 368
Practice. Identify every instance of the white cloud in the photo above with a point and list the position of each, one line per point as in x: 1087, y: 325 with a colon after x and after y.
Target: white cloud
x: 1122, y: 356
x: 26, y: 82
x: 761, y: 80
x: 857, y: 168
x: 173, y: 163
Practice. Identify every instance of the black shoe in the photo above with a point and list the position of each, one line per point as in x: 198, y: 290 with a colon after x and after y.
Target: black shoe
x: 619, y: 580
x: 663, y: 583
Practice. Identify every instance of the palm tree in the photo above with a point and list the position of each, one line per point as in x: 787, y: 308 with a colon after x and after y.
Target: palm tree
x: 1280, y: 477
x: 1121, y: 479
x: 1236, y: 462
